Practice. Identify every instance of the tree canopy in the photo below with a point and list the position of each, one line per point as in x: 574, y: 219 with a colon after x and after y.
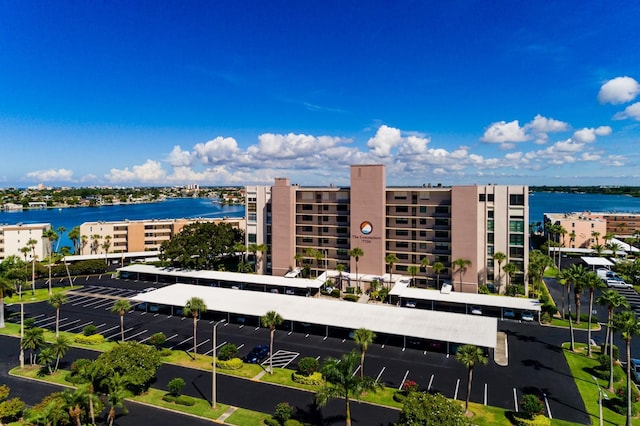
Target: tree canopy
x: 137, y: 361
x: 201, y: 245
x: 431, y: 409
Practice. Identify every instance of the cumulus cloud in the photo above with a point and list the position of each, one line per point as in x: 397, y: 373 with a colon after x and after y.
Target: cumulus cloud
x: 502, y: 132
x: 149, y: 172
x: 385, y: 139
x: 508, y: 133
x: 619, y: 90
x: 588, y: 135
x: 216, y: 151
x: 632, y: 111
x: 179, y: 158
x: 51, y: 175
x: 540, y: 127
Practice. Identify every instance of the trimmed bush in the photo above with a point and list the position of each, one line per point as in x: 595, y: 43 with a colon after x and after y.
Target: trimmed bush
x: 350, y: 297
x: 165, y: 352
x: 227, y: 352
x: 314, y: 379
x: 531, y: 406
x: 539, y: 420
x: 270, y: 421
x: 283, y: 412
x: 176, y: 385
x: 292, y: 422
x: 307, y: 366
x: 169, y: 398
x: 90, y: 330
x: 232, y: 364
x: 157, y: 339
x: 335, y: 293
x: 185, y: 400
x: 94, y: 339
x: 350, y: 290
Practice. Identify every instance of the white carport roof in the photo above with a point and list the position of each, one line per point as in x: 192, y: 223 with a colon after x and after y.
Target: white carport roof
x: 127, y: 255
x: 466, y: 298
x: 424, y: 324
x: 596, y: 261
x: 268, y: 280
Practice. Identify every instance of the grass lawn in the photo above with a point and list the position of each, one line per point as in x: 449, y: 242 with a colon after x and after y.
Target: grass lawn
x: 581, y: 366
x: 201, y: 408
x: 557, y: 322
x: 12, y: 329
x: 41, y: 294
x: 242, y: 417
x: 36, y: 372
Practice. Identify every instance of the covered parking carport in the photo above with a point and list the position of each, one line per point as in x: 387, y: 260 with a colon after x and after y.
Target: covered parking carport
x: 334, y: 315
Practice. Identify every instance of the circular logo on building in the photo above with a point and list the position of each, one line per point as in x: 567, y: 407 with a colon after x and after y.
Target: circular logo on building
x: 366, y: 227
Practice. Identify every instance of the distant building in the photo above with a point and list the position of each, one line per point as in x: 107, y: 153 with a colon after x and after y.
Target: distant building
x: 15, y: 237
x: 138, y: 235
x: 441, y: 224
x: 620, y: 224
x: 583, y: 230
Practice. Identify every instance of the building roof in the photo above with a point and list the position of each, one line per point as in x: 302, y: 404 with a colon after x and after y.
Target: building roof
x: 126, y: 255
x: 417, y: 323
x: 596, y: 261
x: 521, y: 303
x: 268, y: 280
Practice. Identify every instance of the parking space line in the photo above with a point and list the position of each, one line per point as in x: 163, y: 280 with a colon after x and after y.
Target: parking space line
x: 69, y: 323
x: 546, y: 402
x: 219, y: 346
x: 380, y: 374
x: 118, y: 333
x: 403, y: 380
x: 184, y: 341
x: 430, y: 383
x: 131, y: 337
x: 355, y: 371
x: 455, y: 394
x: 81, y: 301
x: 46, y: 319
x: 109, y: 329
x: 241, y: 346
x: 95, y: 302
x: 515, y: 399
x: 79, y: 326
x: 169, y: 338
x: 52, y: 321
x: 102, y: 305
x: 101, y: 325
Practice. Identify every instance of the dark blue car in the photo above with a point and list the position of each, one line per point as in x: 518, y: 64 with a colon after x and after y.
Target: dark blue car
x: 257, y: 354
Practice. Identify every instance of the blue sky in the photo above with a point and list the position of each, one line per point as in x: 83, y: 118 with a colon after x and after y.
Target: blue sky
x: 239, y: 92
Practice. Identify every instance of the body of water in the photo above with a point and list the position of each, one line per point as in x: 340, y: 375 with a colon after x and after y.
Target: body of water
x: 172, y: 208
x: 556, y: 202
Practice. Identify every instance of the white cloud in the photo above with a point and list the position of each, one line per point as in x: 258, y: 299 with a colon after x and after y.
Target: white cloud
x: 385, y: 139
x: 502, y: 132
x: 179, y: 158
x: 540, y: 126
x: 588, y: 135
x: 619, y: 90
x: 632, y: 111
x: 216, y: 151
x: 51, y: 175
x: 149, y: 172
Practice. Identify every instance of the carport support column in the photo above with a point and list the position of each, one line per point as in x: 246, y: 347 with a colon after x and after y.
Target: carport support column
x: 326, y: 333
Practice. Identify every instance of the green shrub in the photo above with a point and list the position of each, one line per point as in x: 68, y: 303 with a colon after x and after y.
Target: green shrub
x: 292, y: 422
x: 227, y: 352
x: 185, y: 400
x: 531, y: 406
x: 350, y: 290
x: 400, y: 396
x: 157, y: 339
x: 176, y: 385
x: 545, y: 318
x: 483, y: 289
x: 283, y: 412
x: 4, y: 392
x: 307, y: 366
x: 350, y: 297
x: 90, y: 330
x: 11, y: 409
x: 335, y: 293
x: 270, y: 421
x: 550, y: 309
x: 94, y: 339
x: 605, y: 350
x: 165, y: 352
x: 314, y: 379
x: 539, y: 420
x: 515, y: 290
x: 232, y: 364
x: 169, y: 398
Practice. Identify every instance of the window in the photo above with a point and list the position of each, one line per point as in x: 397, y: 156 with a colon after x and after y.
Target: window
x: 342, y: 230
x: 400, y: 196
x: 516, y: 240
x: 442, y: 209
x: 402, y: 232
x: 490, y: 198
x: 442, y: 222
x: 403, y: 256
x: 442, y: 234
x: 402, y: 209
x: 343, y: 252
x: 325, y: 218
x: 325, y: 229
x: 423, y: 234
x: 307, y: 229
x: 252, y: 217
x: 342, y: 241
x: 401, y: 268
x: 325, y: 207
x: 516, y: 226
x: 516, y: 252
x: 342, y: 207
x: 307, y: 218
x: 482, y: 198
x: 307, y: 207
x: 490, y: 251
x: 402, y: 244
x: 423, y: 221
x: 342, y: 219
x: 490, y: 238
x: 252, y: 238
x: 402, y: 221
x: 516, y: 200
x: 423, y: 246
x: 490, y: 225
x: 307, y: 240
x: 423, y: 209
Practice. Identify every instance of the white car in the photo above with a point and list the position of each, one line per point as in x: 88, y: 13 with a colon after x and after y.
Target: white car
x: 617, y: 282
x: 476, y: 310
x: 526, y: 316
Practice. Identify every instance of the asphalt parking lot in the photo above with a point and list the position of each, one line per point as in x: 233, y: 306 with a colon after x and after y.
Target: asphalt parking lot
x: 536, y: 363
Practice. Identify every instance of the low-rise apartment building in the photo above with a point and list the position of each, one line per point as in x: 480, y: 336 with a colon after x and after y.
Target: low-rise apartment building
x: 583, y: 230
x: 14, y: 238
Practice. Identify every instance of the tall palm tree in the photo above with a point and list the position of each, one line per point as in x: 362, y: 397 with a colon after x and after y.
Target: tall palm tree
x: 499, y: 257
x: 51, y: 236
x: 95, y: 243
x: 340, y: 382
x: 60, y: 231
x: 122, y: 306
x: 425, y: 264
x: 262, y: 249
x: 117, y: 392
x: 591, y: 282
x: 74, y: 236
x: 363, y: 338
x: 91, y: 373
x: 413, y: 271
x: 612, y: 300
x: 57, y: 300
x: 84, y: 240
x: 318, y: 255
x: 32, y: 244
x: 596, y: 235
x: 438, y: 267
x: 628, y: 325
x: 390, y: 259
x: 598, y: 248
x: 470, y: 356
x: 356, y: 253
x: 297, y: 258
x: 194, y: 307
x: 6, y: 287
x: 461, y: 265
x: 340, y: 268
x: 33, y: 340
x: 511, y: 269
x: 271, y: 319
x: 60, y: 346
x: 106, y: 245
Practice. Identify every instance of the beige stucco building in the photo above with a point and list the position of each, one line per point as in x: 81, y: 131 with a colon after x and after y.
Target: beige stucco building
x: 138, y: 235
x: 439, y: 223
x: 15, y: 237
x: 583, y: 230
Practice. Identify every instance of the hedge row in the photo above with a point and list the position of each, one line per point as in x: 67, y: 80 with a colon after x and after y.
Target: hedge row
x: 94, y: 339
x: 314, y: 379
x: 232, y: 364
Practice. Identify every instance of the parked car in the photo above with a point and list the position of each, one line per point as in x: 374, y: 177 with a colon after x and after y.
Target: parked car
x: 410, y: 304
x: 527, y: 316
x: 617, y: 282
x: 509, y: 314
x: 635, y: 369
x: 476, y: 310
x: 257, y: 354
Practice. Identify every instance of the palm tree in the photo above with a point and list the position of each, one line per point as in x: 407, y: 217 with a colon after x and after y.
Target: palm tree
x: 51, y: 236
x: 60, y: 346
x: 74, y: 236
x: 117, y: 392
x: 592, y: 282
x: 413, y: 271
x: 461, y: 265
x: 598, y: 248
x: 6, y: 287
x: 46, y: 358
x: 57, y: 300
x: 271, y: 319
x: 95, y: 243
x: 73, y: 401
x: 262, y: 249
x: 91, y: 373
x: 356, y: 253
x: 499, y: 257
x: 469, y: 356
x: 363, y: 338
x: 612, y: 300
x: 33, y: 340
x: 340, y: 268
x: 340, y: 382
x: 194, y: 307
x: 628, y: 325
x: 122, y: 306
x: 25, y: 251
x: 32, y: 244
x: 60, y: 231
x: 84, y: 240
x: 297, y: 258
x: 390, y: 259
x: 425, y: 264
x: 106, y: 245
x: 318, y: 255
x: 596, y: 235
x: 511, y: 269
x: 438, y: 267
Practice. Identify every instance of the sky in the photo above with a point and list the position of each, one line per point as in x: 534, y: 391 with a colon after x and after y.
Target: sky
x: 163, y: 93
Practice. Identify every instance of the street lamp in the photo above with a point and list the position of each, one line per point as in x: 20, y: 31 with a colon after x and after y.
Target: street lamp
x: 599, y: 397
x: 213, y: 378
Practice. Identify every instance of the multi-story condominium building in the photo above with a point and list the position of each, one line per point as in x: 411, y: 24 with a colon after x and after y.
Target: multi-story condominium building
x: 620, y: 224
x: 13, y: 238
x: 441, y: 224
x: 582, y: 230
x: 137, y: 235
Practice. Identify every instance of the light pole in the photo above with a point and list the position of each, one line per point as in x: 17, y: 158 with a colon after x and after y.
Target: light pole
x: 599, y: 397
x: 213, y: 378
